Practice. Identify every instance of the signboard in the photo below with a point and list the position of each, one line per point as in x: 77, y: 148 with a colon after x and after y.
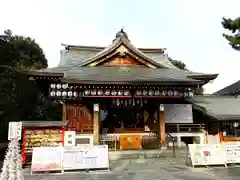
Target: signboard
x: 232, y: 151
x: 14, y: 130
x: 86, y: 157
x: 207, y: 154
x: 178, y: 113
x: 47, y: 159
x: 69, y: 138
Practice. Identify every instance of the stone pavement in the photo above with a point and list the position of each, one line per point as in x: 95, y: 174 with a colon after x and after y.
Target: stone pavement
x: 148, y: 169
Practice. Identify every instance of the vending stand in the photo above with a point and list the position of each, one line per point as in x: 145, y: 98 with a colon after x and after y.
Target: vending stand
x: 41, y: 134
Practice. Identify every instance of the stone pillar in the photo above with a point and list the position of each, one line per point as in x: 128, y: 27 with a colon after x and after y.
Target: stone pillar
x: 96, y: 124
x: 162, y: 125
x: 64, y: 111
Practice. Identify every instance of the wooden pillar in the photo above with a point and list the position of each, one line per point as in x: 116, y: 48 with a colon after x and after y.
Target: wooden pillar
x: 64, y: 111
x: 96, y: 124
x: 162, y: 126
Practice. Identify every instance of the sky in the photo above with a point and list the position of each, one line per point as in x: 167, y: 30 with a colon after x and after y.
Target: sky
x: 191, y: 30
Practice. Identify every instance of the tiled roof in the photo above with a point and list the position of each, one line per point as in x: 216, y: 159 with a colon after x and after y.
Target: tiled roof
x: 44, y: 123
x: 218, y: 107
x: 233, y: 89
x: 126, y: 74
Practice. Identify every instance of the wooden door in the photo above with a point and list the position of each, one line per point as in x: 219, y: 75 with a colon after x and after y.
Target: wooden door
x: 79, y: 119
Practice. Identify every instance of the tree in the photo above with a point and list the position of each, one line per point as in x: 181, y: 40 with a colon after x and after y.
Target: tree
x: 21, y: 99
x: 233, y: 25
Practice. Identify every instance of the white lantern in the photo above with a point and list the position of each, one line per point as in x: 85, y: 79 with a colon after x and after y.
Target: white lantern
x: 59, y: 86
x: 86, y: 92
x: 157, y: 93
x: 70, y: 93
x: 144, y: 92
x: 150, y: 92
x: 126, y: 93
x: 94, y: 92
x: 190, y: 94
x: 175, y: 93
x: 59, y: 93
x: 120, y: 92
x: 64, y: 93
x: 185, y: 94
x: 75, y: 94
x: 164, y: 93
x: 100, y: 92
x: 65, y: 86
x: 170, y: 93
x: 52, y: 93
x: 107, y: 92
x: 114, y: 93
x: 236, y: 124
x: 53, y: 86
x: 138, y: 92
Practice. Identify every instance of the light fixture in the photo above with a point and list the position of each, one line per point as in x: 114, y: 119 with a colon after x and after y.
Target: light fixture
x: 170, y: 93
x: 70, y: 93
x: 150, y: 92
x: 86, y: 92
x: 64, y: 93
x: 65, y: 86
x: 144, y: 92
x: 157, y: 92
x: 100, y: 92
x: 185, y: 94
x: 120, y: 92
x: 52, y: 93
x: 164, y: 93
x: 107, y: 92
x: 58, y: 93
x: 175, y: 93
x: 59, y: 86
x: 138, y: 93
x: 94, y: 92
x: 126, y: 92
x: 113, y: 92
x: 117, y: 102
x: 235, y: 124
x: 53, y: 86
x: 75, y: 94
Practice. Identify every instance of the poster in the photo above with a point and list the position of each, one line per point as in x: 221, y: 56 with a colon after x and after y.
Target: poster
x: 86, y: 157
x: 47, y: 159
x: 178, y: 113
x: 207, y: 154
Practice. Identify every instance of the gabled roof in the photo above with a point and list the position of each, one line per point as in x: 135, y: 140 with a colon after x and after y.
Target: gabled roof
x: 218, y: 107
x: 232, y: 89
x: 74, y: 62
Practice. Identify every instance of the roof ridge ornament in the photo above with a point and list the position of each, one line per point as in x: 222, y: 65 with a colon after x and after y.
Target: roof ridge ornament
x: 121, y: 33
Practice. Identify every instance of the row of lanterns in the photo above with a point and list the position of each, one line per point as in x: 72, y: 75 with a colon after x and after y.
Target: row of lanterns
x: 100, y: 92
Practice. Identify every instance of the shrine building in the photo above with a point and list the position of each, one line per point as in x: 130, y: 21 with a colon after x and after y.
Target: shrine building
x: 120, y: 92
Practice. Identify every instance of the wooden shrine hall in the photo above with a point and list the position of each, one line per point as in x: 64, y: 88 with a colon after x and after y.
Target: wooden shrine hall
x: 117, y: 90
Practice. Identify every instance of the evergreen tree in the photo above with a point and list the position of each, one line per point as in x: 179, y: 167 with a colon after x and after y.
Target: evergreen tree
x: 233, y: 25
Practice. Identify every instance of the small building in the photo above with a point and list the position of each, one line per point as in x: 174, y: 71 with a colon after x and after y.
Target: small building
x: 117, y: 92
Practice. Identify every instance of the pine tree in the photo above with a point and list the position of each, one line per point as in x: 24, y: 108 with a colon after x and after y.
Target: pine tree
x: 12, y: 167
x: 232, y: 25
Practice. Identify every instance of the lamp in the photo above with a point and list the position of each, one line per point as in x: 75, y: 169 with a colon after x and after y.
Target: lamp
x: 86, y: 92
x: 190, y: 94
x: 70, y: 93
x: 235, y: 124
x: 53, y: 86
x: 138, y: 92
x: 120, y: 92
x: 170, y: 92
x: 157, y: 93
x: 100, y: 92
x: 93, y: 92
x: 65, y: 86
x: 75, y: 94
x: 59, y: 86
x: 114, y: 93
x: 107, y: 92
x: 126, y: 93
x: 175, y: 93
x: 150, y: 92
x: 185, y: 94
x: 164, y: 93
x: 52, y: 93
x: 64, y: 93
x: 58, y: 93
x: 144, y: 92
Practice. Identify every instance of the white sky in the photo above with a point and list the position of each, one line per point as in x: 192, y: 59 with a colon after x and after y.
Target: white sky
x: 190, y: 29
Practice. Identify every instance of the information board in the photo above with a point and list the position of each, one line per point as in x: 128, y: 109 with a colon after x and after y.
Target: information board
x: 232, y: 151
x: 14, y: 130
x: 86, y: 157
x: 47, y: 159
x: 207, y: 154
